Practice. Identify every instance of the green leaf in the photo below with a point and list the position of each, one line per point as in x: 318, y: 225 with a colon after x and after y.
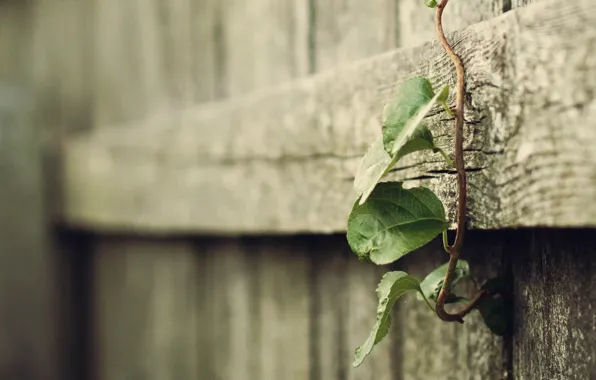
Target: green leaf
x: 374, y: 165
x: 496, y: 309
x: 496, y: 312
x: 430, y: 3
x: 421, y: 139
x: 392, y: 286
x: 402, y: 117
x: 394, y: 221
x: 431, y: 285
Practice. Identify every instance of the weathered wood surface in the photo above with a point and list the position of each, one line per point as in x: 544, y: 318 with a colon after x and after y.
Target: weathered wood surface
x: 148, y: 299
x: 432, y: 349
x: 349, y: 30
x: 30, y: 307
x: 28, y: 292
x: 283, y: 160
x: 417, y: 21
x: 555, y: 293
x: 146, y: 309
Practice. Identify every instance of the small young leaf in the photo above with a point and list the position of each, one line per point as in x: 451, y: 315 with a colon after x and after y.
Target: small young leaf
x: 402, y: 117
x: 394, y: 221
x: 430, y: 3
x: 496, y: 312
x: 496, y: 309
x: 431, y: 285
x: 392, y: 286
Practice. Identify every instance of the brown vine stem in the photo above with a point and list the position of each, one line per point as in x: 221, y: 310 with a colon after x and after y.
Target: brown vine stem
x: 455, y: 249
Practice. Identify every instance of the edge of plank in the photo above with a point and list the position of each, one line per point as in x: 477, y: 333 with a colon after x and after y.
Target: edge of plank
x: 283, y: 160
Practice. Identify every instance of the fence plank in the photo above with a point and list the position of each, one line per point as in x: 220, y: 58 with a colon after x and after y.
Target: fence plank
x: 147, y: 58
x: 284, y: 301
x: 30, y: 328
x: 330, y: 353
x: 417, y: 23
x: 453, y: 351
x: 521, y: 3
x: 179, y: 173
x: 28, y: 285
x: 345, y: 31
x: 146, y: 302
x: 555, y: 274
x: 260, y: 288
x: 265, y: 43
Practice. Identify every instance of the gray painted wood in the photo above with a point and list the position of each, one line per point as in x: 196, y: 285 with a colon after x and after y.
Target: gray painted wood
x: 417, y: 21
x: 555, y: 331
x: 530, y: 102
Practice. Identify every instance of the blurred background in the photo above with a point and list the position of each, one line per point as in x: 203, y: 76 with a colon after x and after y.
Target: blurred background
x: 125, y: 303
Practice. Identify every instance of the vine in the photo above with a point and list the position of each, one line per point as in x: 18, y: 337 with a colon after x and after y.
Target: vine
x: 388, y: 221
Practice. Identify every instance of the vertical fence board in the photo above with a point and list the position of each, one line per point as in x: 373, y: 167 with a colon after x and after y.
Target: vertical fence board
x: 284, y: 309
x: 29, y: 315
x: 260, y: 291
x: 348, y: 30
x: 145, y: 309
x: 28, y: 346
x: 417, y: 23
x: 145, y: 61
x: 433, y: 349
x: 330, y: 354
x: 555, y: 292
x: 60, y: 76
x: 265, y: 43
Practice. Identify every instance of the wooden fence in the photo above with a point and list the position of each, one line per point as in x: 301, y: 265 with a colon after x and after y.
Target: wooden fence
x: 177, y: 176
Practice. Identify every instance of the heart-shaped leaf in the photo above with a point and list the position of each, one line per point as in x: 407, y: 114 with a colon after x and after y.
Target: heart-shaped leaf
x: 394, y: 221
x: 403, y: 116
x: 392, y: 286
x: 431, y: 285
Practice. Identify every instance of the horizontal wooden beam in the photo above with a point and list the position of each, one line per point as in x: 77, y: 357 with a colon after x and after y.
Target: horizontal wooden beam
x: 283, y: 160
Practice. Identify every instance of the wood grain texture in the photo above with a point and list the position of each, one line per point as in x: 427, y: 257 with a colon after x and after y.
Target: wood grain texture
x: 348, y: 30
x: 283, y: 160
x: 521, y: 3
x: 154, y: 57
x: 417, y: 21
x: 148, y: 57
x: 28, y: 284
x: 146, y: 305
x: 433, y: 349
x: 265, y: 43
x: 345, y: 31
x: 555, y: 292
x: 30, y: 312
